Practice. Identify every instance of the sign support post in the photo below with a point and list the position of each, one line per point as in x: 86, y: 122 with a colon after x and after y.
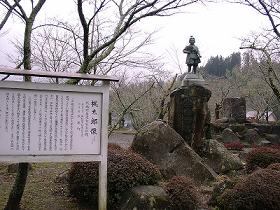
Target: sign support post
x: 102, y: 191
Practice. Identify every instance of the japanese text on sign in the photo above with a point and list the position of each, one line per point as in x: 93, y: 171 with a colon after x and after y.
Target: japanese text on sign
x: 34, y: 122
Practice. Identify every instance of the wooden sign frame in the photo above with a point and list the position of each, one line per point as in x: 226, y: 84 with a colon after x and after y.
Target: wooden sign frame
x: 103, y: 89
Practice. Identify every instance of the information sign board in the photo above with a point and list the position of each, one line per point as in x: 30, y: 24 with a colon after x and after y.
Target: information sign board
x: 51, y: 120
x: 55, y: 123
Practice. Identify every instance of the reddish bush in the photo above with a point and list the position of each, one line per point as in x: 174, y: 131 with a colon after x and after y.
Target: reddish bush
x: 223, y: 183
x: 125, y: 170
x: 182, y: 193
x: 274, y: 166
x: 236, y: 145
x: 262, y: 157
x: 275, y: 146
x: 259, y: 191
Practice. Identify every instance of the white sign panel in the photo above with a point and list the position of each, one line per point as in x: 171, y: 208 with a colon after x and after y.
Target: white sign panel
x: 49, y: 122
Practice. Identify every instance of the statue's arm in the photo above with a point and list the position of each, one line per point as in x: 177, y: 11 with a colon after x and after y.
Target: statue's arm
x: 185, y: 50
x: 198, y: 53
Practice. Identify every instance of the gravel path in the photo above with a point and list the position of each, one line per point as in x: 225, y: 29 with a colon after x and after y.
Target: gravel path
x: 124, y: 140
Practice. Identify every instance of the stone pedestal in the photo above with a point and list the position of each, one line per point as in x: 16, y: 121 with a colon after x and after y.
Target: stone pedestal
x: 189, y: 114
x: 234, y: 109
x: 192, y: 79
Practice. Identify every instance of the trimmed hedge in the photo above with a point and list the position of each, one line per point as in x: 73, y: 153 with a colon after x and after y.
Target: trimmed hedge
x: 182, y: 193
x: 262, y: 157
x: 259, y: 191
x: 125, y: 170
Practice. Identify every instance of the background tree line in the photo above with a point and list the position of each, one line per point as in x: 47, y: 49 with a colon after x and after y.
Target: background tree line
x: 219, y: 66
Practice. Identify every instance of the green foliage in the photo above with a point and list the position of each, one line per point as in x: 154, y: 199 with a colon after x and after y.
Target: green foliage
x: 183, y: 193
x: 219, y: 65
x: 125, y: 170
x: 259, y: 191
x: 262, y: 157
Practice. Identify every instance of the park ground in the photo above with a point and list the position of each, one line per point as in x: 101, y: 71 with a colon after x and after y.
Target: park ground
x: 46, y: 187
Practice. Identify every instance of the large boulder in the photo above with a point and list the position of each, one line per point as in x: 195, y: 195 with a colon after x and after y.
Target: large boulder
x: 238, y: 128
x: 163, y: 146
x: 145, y: 198
x: 220, y: 159
x: 229, y: 136
x: 273, y: 138
x: 252, y: 137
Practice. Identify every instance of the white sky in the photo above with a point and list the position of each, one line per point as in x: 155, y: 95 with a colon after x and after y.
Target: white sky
x: 217, y: 28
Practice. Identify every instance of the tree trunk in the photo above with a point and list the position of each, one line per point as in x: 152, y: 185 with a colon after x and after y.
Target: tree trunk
x: 20, y: 181
x: 18, y: 188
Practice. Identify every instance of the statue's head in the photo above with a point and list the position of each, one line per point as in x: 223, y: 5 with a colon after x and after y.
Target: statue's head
x: 192, y: 40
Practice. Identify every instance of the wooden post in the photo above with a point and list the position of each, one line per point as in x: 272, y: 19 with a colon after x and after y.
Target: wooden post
x: 102, y: 194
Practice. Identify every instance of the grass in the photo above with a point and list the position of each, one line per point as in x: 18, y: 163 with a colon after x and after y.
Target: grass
x: 43, y: 190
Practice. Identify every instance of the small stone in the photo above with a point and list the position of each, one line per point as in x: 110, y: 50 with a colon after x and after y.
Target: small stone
x: 145, y: 198
x: 229, y: 136
x: 273, y: 138
x: 265, y: 143
x: 222, y: 120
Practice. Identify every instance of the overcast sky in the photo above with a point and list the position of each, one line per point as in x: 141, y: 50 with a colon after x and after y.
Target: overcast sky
x: 217, y: 28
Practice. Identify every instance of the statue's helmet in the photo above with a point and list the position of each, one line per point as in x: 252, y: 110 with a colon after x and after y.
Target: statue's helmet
x: 192, y: 39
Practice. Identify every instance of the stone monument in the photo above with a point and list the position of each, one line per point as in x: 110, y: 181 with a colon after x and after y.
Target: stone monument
x: 234, y: 109
x: 188, y: 112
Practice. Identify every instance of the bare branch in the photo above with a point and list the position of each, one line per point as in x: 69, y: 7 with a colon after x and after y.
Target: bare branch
x: 128, y: 107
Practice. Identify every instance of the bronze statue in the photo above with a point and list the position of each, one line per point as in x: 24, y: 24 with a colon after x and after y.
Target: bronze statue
x: 193, y: 55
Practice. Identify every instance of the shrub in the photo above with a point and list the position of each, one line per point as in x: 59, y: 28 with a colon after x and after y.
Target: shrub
x: 182, y: 193
x: 260, y: 190
x: 275, y: 146
x: 262, y: 157
x: 223, y: 183
x: 274, y: 166
x: 125, y: 170
x: 236, y: 145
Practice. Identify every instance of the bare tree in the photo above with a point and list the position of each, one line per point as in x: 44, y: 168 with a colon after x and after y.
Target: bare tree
x: 267, y: 8
x: 267, y: 63
x: 266, y: 43
x: 17, y: 9
x: 126, y: 97
x: 127, y: 13
x: 54, y: 50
